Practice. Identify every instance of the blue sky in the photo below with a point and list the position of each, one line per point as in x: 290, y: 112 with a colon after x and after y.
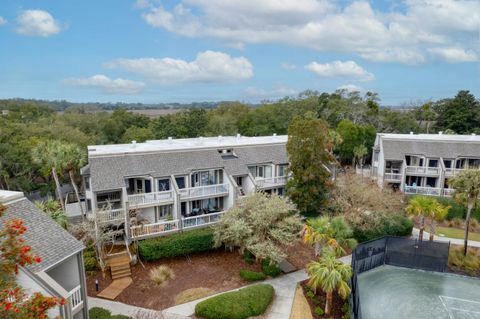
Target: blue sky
x: 250, y: 50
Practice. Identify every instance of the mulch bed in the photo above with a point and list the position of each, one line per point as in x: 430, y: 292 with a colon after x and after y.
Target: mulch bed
x: 216, y: 269
x: 318, y: 300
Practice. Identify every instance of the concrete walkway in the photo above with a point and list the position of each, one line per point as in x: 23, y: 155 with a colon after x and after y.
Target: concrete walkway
x: 454, y: 241
x: 118, y: 308
x: 284, y: 286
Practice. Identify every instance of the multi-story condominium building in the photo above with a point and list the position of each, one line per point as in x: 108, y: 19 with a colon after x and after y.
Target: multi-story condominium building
x: 60, y: 272
x: 423, y: 163
x: 163, y: 186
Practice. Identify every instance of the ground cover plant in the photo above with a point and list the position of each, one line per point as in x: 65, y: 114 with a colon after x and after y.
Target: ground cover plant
x: 252, y: 275
x: 244, y: 303
x: 467, y: 264
x: 161, y: 275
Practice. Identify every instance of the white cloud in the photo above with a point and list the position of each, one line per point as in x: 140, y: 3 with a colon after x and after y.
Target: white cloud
x: 37, y: 23
x: 288, y: 66
x: 408, y: 31
x: 455, y: 55
x: 208, y: 66
x: 351, y: 88
x: 107, y: 85
x: 275, y: 92
x: 339, y: 69
x: 2, y: 21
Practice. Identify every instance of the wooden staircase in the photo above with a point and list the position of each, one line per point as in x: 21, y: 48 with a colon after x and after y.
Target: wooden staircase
x: 119, y: 265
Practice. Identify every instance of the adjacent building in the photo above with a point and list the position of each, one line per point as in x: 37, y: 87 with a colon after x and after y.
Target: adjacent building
x: 423, y: 163
x: 163, y: 186
x: 60, y: 273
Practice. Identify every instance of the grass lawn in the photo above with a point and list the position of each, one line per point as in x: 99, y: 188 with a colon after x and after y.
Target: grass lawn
x: 456, y: 233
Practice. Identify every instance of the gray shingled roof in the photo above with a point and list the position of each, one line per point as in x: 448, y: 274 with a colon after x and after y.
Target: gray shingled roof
x: 396, y: 149
x: 109, y: 172
x: 48, y: 240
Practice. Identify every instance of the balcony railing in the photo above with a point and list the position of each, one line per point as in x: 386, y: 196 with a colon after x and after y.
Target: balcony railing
x: 393, y: 176
x: 201, y: 221
x: 202, y: 191
x: 160, y: 228
x: 448, y: 192
x: 271, y: 181
x: 431, y: 191
x: 112, y: 215
x: 423, y: 170
x: 146, y: 199
x: 75, y: 298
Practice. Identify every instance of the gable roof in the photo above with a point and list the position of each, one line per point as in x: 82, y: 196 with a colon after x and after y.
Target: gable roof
x: 108, y: 172
x: 47, y: 239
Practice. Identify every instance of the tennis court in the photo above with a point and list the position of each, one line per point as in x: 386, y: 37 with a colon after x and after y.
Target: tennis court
x: 402, y: 293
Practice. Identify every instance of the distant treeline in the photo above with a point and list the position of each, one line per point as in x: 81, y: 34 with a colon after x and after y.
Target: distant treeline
x: 353, y: 117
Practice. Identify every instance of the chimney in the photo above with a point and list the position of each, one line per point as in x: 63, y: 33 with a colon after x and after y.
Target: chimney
x: 411, y: 133
x: 440, y: 133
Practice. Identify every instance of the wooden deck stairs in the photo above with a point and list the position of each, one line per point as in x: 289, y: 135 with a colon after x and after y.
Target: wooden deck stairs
x: 119, y: 265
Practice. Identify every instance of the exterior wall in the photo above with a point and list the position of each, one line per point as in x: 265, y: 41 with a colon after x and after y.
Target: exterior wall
x: 148, y: 213
x: 249, y: 185
x: 67, y: 274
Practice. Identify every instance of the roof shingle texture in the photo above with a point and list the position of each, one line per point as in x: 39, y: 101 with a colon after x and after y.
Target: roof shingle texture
x: 396, y: 149
x: 47, y: 239
x: 109, y: 172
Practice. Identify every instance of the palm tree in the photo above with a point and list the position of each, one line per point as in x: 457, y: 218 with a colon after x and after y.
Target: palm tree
x: 438, y: 212
x: 329, y: 274
x: 467, y: 191
x: 46, y: 154
x: 72, y: 158
x: 421, y: 206
x: 52, y: 209
x: 335, y: 233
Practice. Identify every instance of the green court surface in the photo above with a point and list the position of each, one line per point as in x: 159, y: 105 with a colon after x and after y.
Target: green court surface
x: 402, y: 293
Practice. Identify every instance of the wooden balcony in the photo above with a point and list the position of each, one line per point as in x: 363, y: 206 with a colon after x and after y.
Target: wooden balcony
x: 396, y: 177
x: 155, y: 229
x: 201, y: 220
x: 110, y: 216
x: 215, y: 190
x: 423, y: 170
x: 271, y: 182
x: 150, y: 199
x: 429, y: 191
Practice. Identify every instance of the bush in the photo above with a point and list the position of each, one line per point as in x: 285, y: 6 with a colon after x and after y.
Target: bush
x: 179, y: 244
x: 247, y: 302
x: 457, y: 210
x: 90, y: 263
x: 120, y: 317
x: 469, y: 263
x: 248, y: 257
x: 161, y: 275
x: 99, y: 313
x: 374, y: 225
x: 270, y: 269
x: 252, y: 275
x: 319, y: 311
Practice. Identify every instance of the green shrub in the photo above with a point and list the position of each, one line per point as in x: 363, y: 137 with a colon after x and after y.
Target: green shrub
x: 270, y: 269
x: 457, y: 210
x: 99, y: 313
x: 370, y: 226
x: 252, y: 275
x: 176, y: 244
x: 310, y: 294
x: 248, y: 257
x: 120, y: 317
x: 247, y: 302
x: 319, y: 311
x: 90, y: 263
x: 89, y: 253
x: 346, y: 307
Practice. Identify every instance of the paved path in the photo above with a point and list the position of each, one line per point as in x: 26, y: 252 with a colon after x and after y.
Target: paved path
x: 118, y: 308
x: 284, y: 286
x: 454, y: 241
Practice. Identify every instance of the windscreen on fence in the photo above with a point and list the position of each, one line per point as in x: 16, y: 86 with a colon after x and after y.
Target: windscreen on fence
x: 395, y: 251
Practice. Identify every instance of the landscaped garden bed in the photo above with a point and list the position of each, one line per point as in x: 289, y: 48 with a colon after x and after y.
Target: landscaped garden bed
x: 316, y: 302
x: 215, y: 271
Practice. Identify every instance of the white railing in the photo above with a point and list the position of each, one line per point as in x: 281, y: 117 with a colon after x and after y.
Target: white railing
x: 154, y: 229
x: 144, y: 199
x: 393, y: 176
x: 448, y: 192
x: 110, y: 215
x: 431, y: 191
x: 202, y: 220
x: 200, y: 191
x: 423, y: 170
x: 271, y: 181
x: 75, y: 298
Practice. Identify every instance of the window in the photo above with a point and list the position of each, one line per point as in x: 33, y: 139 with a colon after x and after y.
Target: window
x: 163, y: 185
x: 89, y: 205
x: 431, y: 182
x: 433, y: 163
x: 280, y: 191
x: 448, y: 163
x: 87, y: 183
x: 375, y: 156
x: 282, y: 170
x: 180, y: 181
x: 261, y: 171
x: 163, y: 212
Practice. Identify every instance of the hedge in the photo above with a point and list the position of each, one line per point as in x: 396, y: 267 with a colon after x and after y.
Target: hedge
x: 247, y: 302
x: 252, y: 275
x: 457, y: 210
x: 178, y: 244
x: 270, y: 269
x: 374, y: 225
x: 100, y: 313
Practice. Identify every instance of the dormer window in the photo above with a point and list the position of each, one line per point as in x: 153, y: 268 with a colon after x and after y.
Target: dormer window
x: 227, y: 153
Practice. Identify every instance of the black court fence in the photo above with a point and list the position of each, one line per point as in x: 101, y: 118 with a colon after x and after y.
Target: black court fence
x: 395, y: 251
